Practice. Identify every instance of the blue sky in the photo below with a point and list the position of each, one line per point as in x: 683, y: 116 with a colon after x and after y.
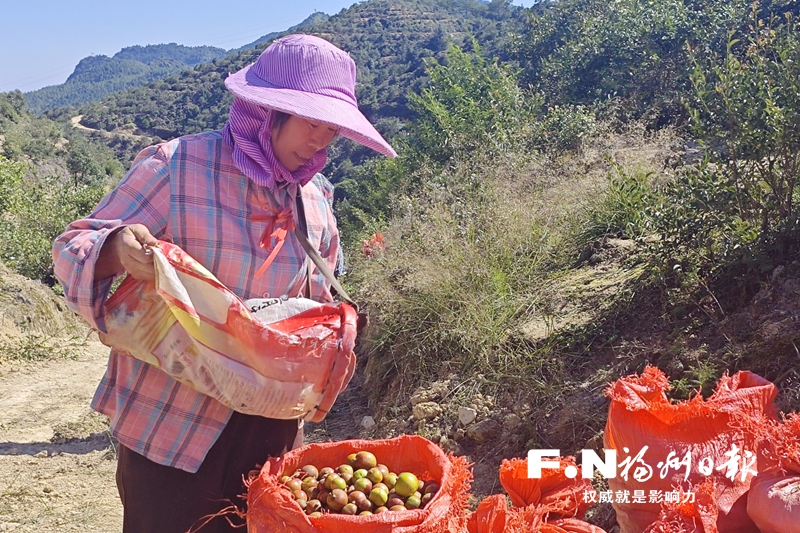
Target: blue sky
x: 41, y: 41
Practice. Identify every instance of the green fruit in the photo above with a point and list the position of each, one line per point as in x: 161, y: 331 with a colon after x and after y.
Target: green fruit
x: 413, y: 502
x: 406, y: 485
x: 364, y: 485
x: 378, y: 496
x: 351, y: 459
x: 335, y: 481
x: 365, y: 460
x: 358, y: 474
x: 390, y: 479
x: 398, y: 508
x: 365, y: 513
x: 309, y: 483
x: 374, y: 475
x: 341, y: 469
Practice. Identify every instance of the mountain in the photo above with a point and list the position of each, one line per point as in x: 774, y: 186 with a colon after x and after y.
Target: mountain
x: 98, y: 76
x: 390, y: 40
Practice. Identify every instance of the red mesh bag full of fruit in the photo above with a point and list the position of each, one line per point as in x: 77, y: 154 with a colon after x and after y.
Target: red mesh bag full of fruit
x: 441, y: 499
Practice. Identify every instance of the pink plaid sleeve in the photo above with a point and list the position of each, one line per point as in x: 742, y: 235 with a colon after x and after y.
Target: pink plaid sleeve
x: 141, y: 197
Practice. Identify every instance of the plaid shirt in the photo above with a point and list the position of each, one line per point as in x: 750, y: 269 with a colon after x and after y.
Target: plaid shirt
x: 188, y: 191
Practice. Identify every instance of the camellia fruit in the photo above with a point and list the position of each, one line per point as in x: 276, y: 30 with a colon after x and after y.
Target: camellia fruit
x: 336, y: 500
x: 413, y: 502
x: 406, y: 485
x: 365, y: 460
x: 379, y: 496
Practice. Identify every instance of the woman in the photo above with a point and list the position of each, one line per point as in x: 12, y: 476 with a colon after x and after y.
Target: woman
x: 182, y: 455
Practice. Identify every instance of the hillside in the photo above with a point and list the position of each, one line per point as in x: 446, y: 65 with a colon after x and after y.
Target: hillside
x: 98, y: 76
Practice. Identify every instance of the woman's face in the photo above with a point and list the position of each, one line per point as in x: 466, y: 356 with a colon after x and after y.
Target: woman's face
x: 298, y: 139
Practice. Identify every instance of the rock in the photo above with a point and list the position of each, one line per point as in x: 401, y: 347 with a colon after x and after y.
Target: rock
x: 367, y: 422
x: 511, y: 422
x: 427, y: 410
x: 459, y: 434
x: 41, y: 454
x: 483, y: 431
x: 467, y: 415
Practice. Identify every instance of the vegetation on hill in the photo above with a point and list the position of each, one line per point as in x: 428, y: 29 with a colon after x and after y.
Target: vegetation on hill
x: 98, y: 76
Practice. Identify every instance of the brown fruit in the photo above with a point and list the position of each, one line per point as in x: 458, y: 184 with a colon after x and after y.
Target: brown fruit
x: 425, y: 499
x: 431, y: 487
x: 394, y: 500
x: 299, y: 495
x: 310, y: 471
x: 350, y: 509
x: 336, y: 500
x: 341, y: 469
x: 313, y: 506
x: 384, y: 469
x: 380, y: 509
x: 398, y: 508
x: 365, y: 460
x: 356, y: 496
x: 294, y: 484
x: 365, y: 504
x: 324, y: 472
x: 365, y: 513
x: 351, y: 459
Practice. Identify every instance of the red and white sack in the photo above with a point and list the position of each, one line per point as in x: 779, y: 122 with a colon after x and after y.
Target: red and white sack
x: 287, y: 360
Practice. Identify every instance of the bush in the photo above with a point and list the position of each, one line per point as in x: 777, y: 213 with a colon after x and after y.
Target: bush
x: 35, y: 213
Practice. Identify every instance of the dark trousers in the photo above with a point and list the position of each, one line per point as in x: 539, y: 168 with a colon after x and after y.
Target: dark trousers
x: 161, y: 499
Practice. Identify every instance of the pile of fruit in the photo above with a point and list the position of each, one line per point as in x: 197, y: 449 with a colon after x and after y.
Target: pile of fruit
x: 361, y: 486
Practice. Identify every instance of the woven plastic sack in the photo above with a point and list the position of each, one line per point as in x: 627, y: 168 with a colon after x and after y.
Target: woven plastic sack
x: 642, y: 416
x: 773, y: 501
x: 557, y: 494
x: 698, y: 516
x: 493, y: 516
x: 270, y: 507
x: 289, y: 360
x: 552, y: 503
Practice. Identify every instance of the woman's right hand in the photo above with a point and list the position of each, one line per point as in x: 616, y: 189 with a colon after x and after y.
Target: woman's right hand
x: 126, y: 251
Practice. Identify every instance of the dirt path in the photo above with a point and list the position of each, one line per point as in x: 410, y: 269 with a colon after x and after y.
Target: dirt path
x: 56, y: 460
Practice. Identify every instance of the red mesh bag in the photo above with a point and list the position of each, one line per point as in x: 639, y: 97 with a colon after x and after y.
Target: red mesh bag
x: 642, y: 416
x: 271, y: 508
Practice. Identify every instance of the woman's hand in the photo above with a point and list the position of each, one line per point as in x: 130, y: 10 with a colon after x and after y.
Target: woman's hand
x: 127, y: 250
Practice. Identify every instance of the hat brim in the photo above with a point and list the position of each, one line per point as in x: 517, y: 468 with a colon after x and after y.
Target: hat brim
x: 320, y: 108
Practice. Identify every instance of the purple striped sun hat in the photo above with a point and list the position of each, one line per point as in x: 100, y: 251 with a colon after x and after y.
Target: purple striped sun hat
x: 307, y: 76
